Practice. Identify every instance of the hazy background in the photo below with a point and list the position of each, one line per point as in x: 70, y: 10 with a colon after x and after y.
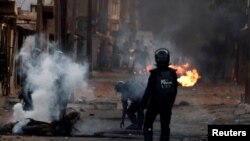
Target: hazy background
x: 204, y: 31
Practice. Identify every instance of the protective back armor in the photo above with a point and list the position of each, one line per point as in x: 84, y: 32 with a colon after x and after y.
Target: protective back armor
x: 166, y: 87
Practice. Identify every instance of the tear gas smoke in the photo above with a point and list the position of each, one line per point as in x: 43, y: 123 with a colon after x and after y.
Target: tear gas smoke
x: 93, y: 126
x: 52, y: 78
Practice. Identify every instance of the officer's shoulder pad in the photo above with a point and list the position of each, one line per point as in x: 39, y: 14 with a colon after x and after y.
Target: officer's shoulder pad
x: 153, y: 70
x: 172, y: 69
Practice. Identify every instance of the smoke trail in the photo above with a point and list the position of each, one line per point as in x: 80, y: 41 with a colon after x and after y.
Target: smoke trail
x: 52, y: 79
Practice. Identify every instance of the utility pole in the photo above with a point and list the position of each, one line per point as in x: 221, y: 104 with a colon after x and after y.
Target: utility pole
x: 60, y: 14
x: 39, y: 24
x: 247, y: 86
x: 89, y: 37
x: 39, y: 27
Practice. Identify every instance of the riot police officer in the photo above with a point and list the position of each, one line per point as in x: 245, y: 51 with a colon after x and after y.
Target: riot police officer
x: 159, y: 96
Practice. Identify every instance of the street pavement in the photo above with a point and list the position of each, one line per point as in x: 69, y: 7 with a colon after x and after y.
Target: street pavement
x: 194, y: 109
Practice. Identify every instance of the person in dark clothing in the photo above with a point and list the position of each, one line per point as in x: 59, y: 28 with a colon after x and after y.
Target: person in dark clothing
x: 142, y: 58
x: 27, y: 89
x: 160, y: 96
x: 133, y: 91
x: 28, y: 126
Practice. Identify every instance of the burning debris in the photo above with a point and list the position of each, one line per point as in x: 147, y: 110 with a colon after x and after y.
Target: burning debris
x: 188, y: 76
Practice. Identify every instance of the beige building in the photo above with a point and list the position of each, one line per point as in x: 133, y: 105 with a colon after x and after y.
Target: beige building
x: 73, y: 28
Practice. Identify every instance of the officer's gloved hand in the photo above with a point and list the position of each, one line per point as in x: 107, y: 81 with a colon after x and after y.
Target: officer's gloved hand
x: 122, y: 124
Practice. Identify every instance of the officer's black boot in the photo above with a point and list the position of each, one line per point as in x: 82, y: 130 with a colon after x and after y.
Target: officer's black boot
x: 164, y: 138
x: 148, y: 135
x: 165, y: 133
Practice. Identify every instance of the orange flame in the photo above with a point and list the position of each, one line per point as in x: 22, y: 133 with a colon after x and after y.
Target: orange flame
x: 180, y: 69
x: 149, y: 67
x: 188, y: 77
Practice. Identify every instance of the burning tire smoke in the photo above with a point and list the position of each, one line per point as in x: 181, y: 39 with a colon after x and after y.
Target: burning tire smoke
x: 52, y: 79
x: 205, y: 31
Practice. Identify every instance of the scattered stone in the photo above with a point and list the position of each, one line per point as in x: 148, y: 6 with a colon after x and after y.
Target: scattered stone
x: 91, y: 115
x: 80, y: 100
x: 183, y: 103
x: 82, y: 110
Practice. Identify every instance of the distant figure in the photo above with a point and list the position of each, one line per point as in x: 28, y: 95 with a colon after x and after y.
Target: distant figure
x: 101, y: 57
x: 160, y: 96
x: 133, y: 91
x: 144, y: 57
x: 116, y: 56
x: 141, y: 59
x: 104, y: 57
x: 126, y: 54
x: 27, y: 89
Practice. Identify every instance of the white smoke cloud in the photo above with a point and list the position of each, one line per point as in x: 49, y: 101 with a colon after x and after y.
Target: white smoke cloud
x: 52, y: 78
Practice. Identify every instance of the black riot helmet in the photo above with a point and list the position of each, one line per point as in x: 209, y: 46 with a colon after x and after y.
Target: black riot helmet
x: 119, y: 86
x: 162, y: 57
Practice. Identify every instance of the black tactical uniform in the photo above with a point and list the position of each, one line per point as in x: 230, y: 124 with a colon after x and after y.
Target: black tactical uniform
x: 159, y: 96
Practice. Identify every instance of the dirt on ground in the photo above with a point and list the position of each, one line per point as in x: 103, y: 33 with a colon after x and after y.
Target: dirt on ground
x: 195, y: 108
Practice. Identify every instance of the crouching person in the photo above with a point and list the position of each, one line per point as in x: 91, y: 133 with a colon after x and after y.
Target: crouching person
x: 132, y: 91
